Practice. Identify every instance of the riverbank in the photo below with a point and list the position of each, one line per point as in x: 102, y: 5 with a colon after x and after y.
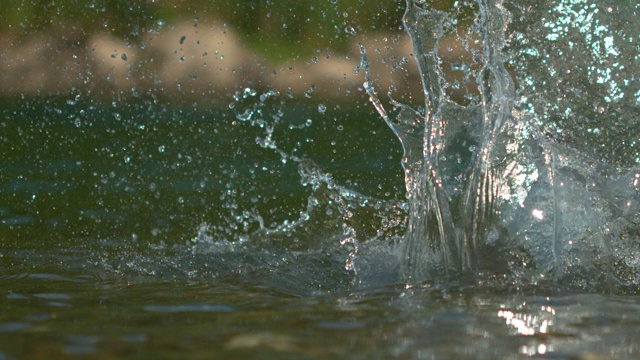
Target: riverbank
x: 194, y: 62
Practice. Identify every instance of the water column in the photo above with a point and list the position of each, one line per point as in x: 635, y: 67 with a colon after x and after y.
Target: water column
x: 452, y: 207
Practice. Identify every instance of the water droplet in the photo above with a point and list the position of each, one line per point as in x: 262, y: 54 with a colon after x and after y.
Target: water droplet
x: 249, y: 92
x: 123, y: 57
x: 322, y: 108
x: 182, y: 39
x: 311, y: 90
x: 161, y: 148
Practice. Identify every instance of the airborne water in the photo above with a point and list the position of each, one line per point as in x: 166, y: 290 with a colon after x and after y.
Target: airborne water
x: 500, y: 180
x: 278, y: 226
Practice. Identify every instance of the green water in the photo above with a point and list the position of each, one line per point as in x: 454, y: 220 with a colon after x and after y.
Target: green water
x: 155, y: 172
x: 101, y: 205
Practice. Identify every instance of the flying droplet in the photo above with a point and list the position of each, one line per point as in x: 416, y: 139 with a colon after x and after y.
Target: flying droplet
x: 350, y: 30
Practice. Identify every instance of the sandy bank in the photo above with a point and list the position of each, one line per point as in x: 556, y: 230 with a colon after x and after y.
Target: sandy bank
x: 208, y: 62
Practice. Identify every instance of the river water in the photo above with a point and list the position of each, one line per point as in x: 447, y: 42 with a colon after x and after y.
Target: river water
x: 285, y: 227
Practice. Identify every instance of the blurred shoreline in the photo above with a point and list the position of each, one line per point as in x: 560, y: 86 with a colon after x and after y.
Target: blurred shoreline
x: 203, y: 62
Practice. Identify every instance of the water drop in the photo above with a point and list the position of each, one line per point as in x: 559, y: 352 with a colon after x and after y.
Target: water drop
x: 161, y: 148
x: 350, y: 30
x: 249, y: 92
x: 123, y: 57
x: 633, y: 259
x: 311, y: 90
x: 182, y: 39
x: 322, y: 108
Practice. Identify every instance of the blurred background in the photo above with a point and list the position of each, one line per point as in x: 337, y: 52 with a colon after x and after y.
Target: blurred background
x: 205, y: 49
x: 143, y: 120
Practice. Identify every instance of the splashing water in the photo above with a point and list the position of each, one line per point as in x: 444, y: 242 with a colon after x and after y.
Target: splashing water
x: 500, y: 174
x: 280, y: 226
x: 493, y: 183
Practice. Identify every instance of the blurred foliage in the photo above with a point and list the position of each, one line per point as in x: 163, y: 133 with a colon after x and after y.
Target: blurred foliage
x: 276, y: 25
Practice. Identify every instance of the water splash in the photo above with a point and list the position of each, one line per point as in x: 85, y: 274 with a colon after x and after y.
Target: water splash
x: 487, y: 188
x: 303, y: 246
x: 494, y: 182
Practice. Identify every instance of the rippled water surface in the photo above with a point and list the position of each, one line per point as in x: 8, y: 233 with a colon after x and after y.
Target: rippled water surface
x: 51, y: 311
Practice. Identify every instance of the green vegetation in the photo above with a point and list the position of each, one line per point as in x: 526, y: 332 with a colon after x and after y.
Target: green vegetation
x: 271, y: 26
